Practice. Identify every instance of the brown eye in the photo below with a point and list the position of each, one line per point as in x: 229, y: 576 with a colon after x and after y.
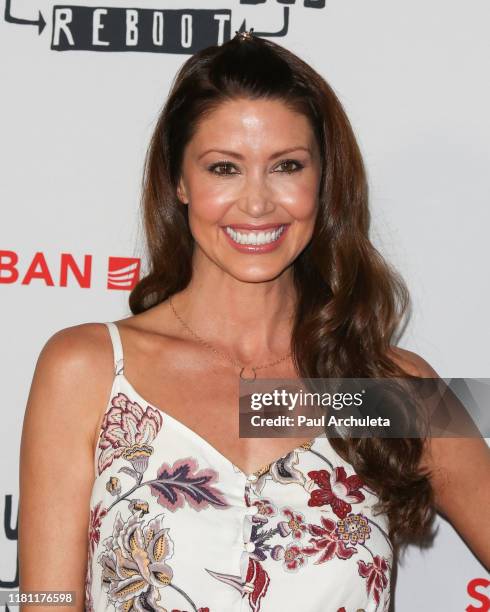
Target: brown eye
x: 289, y: 162
x: 224, y: 166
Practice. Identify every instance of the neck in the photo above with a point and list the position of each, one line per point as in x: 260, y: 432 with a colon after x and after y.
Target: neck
x: 251, y: 322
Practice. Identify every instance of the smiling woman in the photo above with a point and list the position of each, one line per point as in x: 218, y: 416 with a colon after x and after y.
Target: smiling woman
x: 255, y: 205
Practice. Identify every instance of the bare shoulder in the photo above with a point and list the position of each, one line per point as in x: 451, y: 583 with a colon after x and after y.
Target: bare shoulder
x: 415, y: 365
x: 412, y: 362
x: 85, y: 346
x: 73, y: 374
x: 76, y: 352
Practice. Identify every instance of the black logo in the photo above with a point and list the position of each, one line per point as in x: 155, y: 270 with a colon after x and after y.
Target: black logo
x: 157, y: 30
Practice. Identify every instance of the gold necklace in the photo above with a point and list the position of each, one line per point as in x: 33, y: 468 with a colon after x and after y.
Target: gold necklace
x: 233, y: 361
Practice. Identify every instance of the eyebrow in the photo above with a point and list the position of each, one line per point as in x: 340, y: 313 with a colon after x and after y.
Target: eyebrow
x: 240, y: 156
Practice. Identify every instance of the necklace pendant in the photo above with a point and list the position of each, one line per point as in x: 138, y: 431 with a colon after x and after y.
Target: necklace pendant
x: 248, y: 379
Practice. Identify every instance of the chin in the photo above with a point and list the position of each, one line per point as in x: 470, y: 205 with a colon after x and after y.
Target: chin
x: 255, y: 274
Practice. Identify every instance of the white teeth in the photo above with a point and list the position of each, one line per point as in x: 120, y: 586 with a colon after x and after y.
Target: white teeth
x: 244, y: 237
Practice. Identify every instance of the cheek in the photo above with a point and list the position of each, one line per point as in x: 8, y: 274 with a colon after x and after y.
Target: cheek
x: 208, y: 202
x: 300, y: 200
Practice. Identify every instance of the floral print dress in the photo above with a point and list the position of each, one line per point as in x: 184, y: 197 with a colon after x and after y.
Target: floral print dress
x: 176, y: 527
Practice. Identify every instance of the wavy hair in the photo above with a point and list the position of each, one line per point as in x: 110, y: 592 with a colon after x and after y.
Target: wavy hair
x: 350, y: 301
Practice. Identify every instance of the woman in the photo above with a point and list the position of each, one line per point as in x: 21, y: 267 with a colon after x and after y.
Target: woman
x: 256, y: 218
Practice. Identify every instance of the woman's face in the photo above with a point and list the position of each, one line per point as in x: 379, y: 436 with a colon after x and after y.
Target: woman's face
x: 250, y: 176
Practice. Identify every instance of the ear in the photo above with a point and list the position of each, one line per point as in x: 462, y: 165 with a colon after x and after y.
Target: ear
x: 181, y: 192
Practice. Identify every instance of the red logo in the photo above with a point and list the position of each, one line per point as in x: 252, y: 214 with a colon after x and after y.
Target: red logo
x: 481, y: 598
x: 123, y: 272
x: 64, y: 270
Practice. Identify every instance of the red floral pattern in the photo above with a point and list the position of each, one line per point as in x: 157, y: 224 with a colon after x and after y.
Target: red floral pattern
x: 336, y: 489
x: 326, y: 541
x: 375, y: 574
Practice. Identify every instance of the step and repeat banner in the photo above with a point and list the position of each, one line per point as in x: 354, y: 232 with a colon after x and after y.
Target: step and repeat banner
x: 82, y: 84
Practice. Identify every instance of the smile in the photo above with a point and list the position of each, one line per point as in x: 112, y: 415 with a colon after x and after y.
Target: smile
x: 246, y: 238
x: 255, y: 237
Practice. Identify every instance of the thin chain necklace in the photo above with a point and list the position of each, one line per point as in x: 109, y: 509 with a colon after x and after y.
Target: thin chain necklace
x: 233, y: 361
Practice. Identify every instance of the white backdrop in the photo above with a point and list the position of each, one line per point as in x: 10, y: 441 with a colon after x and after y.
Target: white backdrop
x: 74, y: 126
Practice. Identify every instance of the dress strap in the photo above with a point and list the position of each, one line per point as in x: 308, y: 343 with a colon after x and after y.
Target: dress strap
x: 117, y: 348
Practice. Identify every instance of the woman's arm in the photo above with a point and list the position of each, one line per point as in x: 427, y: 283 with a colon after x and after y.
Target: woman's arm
x: 70, y: 386
x: 460, y: 475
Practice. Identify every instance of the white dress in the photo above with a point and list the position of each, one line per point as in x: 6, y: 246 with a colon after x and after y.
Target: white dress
x: 176, y: 527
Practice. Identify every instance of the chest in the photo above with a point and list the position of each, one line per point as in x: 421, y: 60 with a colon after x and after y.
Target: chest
x: 206, y: 401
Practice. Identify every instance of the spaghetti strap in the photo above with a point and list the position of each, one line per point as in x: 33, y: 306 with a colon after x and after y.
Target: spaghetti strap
x: 117, y: 348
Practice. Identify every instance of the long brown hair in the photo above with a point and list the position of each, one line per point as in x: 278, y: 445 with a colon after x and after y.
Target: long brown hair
x: 350, y: 301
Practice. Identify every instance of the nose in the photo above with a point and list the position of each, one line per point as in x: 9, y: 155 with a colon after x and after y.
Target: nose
x: 255, y: 199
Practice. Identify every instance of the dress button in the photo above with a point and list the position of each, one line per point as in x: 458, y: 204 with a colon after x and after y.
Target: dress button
x: 249, y: 547
x: 252, y: 477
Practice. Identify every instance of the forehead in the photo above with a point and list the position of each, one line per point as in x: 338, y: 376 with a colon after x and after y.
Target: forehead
x: 256, y: 123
